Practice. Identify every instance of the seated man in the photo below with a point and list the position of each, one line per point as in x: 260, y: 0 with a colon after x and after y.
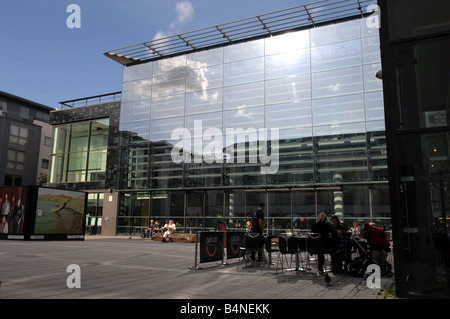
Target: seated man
x: 152, y: 228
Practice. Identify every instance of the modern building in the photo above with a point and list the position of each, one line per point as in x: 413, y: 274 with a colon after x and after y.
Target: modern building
x: 25, y: 140
x: 85, y: 155
x: 282, y: 108
x: 415, y: 47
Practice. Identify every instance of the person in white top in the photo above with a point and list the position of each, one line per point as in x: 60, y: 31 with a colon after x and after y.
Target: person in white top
x: 169, y: 228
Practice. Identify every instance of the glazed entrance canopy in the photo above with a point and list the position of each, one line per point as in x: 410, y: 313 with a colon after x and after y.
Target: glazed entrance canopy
x: 296, y: 18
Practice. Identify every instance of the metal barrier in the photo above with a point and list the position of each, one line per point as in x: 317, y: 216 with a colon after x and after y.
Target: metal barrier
x: 214, y: 246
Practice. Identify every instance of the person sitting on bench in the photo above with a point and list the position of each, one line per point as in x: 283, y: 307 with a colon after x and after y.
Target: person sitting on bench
x: 169, y: 228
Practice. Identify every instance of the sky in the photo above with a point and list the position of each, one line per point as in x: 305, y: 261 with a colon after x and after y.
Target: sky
x: 45, y: 58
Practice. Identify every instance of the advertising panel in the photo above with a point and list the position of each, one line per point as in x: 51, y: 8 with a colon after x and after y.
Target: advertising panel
x: 211, y: 246
x: 13, y: 212
x: 59, y: 212
x: 39, y: 213
x: 235, y: 240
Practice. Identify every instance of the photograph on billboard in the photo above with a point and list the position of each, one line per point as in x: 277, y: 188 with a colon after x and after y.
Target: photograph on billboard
x: 13, y: 210
x: 59, y: 212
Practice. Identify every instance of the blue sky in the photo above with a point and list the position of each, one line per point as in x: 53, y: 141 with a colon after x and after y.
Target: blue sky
x: 43, y: 60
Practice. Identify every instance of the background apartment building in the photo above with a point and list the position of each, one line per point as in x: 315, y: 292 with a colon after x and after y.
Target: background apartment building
x: 25, y: 140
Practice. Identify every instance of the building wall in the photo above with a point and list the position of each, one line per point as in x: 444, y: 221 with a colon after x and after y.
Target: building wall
x: 45, y: 146
x: 109, y: 110
x: 24, y: 145
x: 107, y: 186
x: 315, y: 94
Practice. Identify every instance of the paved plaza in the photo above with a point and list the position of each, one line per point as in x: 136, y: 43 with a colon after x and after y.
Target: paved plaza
x: 123, y: 268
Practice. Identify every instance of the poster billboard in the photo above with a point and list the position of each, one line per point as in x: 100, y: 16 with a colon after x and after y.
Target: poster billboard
x: 13, y: 211
x: 39, y: 213
x: 211, y: 246
x: 235, y: 240
x: 59, y: 212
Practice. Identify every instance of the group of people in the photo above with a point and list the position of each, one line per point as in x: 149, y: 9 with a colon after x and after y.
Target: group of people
x: 12, y: 212
x: 168, y: 228
x: 334, y: 234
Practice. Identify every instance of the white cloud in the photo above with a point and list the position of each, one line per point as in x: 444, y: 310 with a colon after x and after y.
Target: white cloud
x: 185, y: 14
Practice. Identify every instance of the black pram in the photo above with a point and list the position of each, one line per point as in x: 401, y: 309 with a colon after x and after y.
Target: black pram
x: 373, y: 248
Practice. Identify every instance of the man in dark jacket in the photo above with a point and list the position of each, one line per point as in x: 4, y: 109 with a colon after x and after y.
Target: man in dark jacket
x: 258, y: 227
x: 327, y: 233
x: 341, y: 250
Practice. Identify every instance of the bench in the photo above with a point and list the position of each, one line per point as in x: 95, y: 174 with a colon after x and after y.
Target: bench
x: 176, y: 237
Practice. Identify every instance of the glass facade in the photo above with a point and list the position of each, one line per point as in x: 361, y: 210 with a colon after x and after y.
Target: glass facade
x: 295, y: 120
x: 80, y: 151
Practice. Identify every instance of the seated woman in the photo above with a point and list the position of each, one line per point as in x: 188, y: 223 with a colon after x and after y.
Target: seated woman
x: 169, y: 228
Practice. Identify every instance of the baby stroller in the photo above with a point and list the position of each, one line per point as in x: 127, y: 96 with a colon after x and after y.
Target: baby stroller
x: 373, y: 249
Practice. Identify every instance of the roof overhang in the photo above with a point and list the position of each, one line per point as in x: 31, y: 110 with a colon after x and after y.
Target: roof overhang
x: 266, y: 25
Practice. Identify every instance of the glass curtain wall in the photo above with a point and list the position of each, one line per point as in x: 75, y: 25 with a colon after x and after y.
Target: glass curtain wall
x: 80, y: 151
x: 298, y: 110
x: 293, y: 210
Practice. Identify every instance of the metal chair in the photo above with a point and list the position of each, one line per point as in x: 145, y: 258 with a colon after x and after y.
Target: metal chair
x: 269, y: 248
x: 316, y: 245
x: 286, y: 246
x: 252, y: 243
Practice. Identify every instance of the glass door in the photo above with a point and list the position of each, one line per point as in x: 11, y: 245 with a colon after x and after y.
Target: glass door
x: 214, y: 208
x: 280, y: 212
x: 252, y: 199
x: 303, y: 209
x: 235, y: 212
x: 195, y: 211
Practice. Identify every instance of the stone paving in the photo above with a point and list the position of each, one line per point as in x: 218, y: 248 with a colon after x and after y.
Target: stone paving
x: 123, y: 268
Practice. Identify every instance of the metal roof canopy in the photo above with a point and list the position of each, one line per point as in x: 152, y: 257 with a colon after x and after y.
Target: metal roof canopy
x: 265, y: 25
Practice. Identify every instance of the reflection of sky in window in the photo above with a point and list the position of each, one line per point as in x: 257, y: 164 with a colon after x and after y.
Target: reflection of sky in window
x: 320, y: 72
